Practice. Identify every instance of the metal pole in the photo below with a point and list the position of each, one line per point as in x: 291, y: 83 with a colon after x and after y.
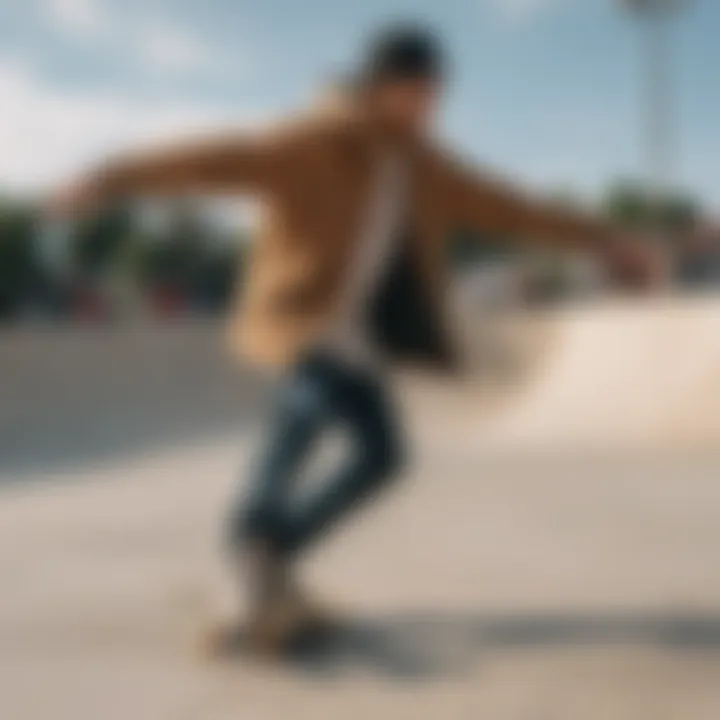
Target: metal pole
x: 660, y: 107
x: 658, y: 139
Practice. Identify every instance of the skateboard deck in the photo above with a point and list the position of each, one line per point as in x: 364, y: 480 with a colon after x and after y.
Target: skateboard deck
x: 233, y: 640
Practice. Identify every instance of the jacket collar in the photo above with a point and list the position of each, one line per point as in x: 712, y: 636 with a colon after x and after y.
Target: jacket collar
x: 369, y: 131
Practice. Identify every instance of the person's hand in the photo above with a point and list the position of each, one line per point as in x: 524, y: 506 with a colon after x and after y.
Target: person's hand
x: 638, y: 262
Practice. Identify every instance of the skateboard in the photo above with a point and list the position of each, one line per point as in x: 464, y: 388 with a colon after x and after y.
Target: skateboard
x: 237, y: 639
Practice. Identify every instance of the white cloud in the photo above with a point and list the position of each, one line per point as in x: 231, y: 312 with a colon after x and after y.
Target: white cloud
x: 168, y: 49
x: 159, y: 45
x: 82, y: 18
x: 46, y: 134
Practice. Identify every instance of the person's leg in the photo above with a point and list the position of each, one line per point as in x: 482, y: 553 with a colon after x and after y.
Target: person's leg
x: 257, y: 527
x: 301, y: 412
x: 360, y: 403
x: 320, y: 393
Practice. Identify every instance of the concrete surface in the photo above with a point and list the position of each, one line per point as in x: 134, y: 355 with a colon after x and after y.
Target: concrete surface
x: 519, y: 571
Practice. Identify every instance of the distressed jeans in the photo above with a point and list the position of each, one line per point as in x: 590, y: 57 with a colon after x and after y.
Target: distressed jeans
x: 320, y: 394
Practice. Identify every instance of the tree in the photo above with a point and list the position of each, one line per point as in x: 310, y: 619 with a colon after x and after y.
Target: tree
x: 97, y: 242
x: 19, y: 266
x: 631, y: 205
x: 186, y: 258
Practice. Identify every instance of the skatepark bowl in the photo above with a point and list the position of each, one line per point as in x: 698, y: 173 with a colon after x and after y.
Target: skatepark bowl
x: 549, y: 555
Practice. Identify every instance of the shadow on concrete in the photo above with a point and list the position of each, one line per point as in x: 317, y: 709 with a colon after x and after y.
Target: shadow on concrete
x: 434, y: 646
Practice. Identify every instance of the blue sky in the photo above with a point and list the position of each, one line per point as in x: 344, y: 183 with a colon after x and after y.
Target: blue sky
x: 544, y: 89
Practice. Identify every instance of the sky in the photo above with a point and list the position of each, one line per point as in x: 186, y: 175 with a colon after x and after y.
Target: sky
x: 546, y: 90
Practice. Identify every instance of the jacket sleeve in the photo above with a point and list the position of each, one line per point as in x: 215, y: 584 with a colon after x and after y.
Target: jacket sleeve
x: 231, y: 163
x: 484, y: 203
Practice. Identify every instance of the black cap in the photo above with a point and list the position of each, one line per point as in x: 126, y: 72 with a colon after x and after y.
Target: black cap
x: 403, y: 52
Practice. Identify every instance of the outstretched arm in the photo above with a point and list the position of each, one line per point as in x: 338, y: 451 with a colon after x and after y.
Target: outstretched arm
x: 223, y: 164
x: 490, y: 205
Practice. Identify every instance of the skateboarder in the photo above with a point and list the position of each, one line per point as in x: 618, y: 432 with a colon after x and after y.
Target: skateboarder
x: 348, y: 278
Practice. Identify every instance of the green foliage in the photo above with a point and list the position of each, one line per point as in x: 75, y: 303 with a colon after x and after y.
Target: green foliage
x: 184, y: 256
x: 171, y: 256
x: 217, y: 278
x: 468, y: 248
x: 19, y: 267
x: 631, y: 205
x: 97, y: 242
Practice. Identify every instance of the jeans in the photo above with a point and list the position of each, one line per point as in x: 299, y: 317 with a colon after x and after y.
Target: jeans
x: 320, y: 394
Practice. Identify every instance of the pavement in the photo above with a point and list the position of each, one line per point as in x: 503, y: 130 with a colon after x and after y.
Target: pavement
x: 549, y: 554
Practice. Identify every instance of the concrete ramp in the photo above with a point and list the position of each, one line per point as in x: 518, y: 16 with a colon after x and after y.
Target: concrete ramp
x: 608, y: 375
x: 621, y: 375
x: 491, y: 585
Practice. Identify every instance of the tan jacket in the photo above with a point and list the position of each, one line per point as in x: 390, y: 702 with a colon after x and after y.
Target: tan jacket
x: 314, y: 177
